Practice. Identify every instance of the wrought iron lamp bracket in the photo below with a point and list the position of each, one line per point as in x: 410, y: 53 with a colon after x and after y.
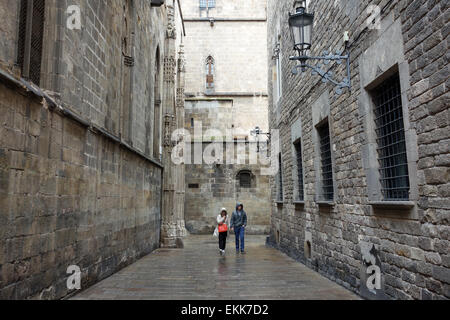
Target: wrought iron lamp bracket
x: 327, y: 76
x: 257, y: 133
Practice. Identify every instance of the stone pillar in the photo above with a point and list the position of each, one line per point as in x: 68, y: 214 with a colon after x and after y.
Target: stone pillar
x: 172, y: 228
x: 180, y: 186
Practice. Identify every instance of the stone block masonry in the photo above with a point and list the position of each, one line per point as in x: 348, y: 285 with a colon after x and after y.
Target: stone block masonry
x: 213, y: 187
x: 81, y: 171
x: 68, y: 197
x: 408, y: 240
x: 226, y: 94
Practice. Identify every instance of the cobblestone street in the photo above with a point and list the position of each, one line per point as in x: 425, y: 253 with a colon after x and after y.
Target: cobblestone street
x: 198, y: 272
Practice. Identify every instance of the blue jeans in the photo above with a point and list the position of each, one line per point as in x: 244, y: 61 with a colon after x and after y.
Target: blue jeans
x: 239, y: 233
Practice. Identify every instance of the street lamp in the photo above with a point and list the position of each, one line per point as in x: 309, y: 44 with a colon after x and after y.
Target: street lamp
x: 256, y: 133
x: 301, y: 25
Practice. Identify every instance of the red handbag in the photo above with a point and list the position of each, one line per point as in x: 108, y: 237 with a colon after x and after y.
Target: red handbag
x: 223, y: 227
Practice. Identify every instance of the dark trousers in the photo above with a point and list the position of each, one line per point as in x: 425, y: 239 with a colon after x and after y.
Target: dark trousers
x: 223, y: 240
x: 240, y: 234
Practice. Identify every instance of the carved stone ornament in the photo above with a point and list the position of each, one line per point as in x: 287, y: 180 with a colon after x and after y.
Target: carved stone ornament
x: 169, y: 69
x: 168, y: 126
x: 171, y: 30
x: 181, y: 60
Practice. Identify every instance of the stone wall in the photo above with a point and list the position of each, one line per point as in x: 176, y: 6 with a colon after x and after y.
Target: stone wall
x: 211, y: 187
x: 237, y: 43
x: 86, y: 67
x: 409, y: 241
x: 80, y: 183
x: 9, y: 12
x: 69, y: 197
x: 239, y: 53
x: 234, y: 34
x: 255, y: 9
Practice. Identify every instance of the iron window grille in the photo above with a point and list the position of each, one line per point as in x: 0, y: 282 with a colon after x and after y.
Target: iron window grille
x: 390, y: 130
x: 326, y: 162
x: 280, y: 179
x: 298, y: 152
x: 245, y: 179
x: 31, y: 34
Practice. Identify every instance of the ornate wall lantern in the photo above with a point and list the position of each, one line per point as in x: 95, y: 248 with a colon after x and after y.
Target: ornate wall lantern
x: 301, y: 25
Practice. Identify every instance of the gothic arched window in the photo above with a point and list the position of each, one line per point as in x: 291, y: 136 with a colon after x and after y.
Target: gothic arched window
x: 157, y: 108
x: 210, y: 73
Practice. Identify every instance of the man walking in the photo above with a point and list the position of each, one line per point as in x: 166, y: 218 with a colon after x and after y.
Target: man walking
x: 238, y: 223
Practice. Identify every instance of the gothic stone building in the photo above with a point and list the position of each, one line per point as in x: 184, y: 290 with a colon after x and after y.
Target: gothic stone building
x: 226, y: 97
x: 363, y: 189
x: 88, y: 99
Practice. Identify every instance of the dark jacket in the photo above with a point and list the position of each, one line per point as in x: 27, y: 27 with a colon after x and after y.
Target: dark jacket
x: 238, y: 219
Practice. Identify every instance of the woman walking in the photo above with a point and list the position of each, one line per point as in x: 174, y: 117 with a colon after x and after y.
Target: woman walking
x: 222, y: 228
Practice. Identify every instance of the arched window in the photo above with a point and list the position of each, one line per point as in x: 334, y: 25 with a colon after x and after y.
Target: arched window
x: 157, y: 108
x: 245, y: 179
x: 210, y: 73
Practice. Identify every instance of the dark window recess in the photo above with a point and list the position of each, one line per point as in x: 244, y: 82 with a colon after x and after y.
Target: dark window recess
x: 280, y: 179
x: 193, y: 186
x: 391, y: 140
x: 31, y: 34
x: 157, y: 3
x: 298, y: 152
x: 326, y: 163
x: 245, y: 180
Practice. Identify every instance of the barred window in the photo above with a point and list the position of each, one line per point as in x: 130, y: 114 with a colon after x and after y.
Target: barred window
x: 298, y: 153
x: 245, y: 179
x: 391, y: 143
x: 326, y: 162
x: 31, y: 34
x: 280, y: 179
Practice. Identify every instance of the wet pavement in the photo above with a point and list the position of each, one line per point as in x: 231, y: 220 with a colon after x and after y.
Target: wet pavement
x: 198, y: 272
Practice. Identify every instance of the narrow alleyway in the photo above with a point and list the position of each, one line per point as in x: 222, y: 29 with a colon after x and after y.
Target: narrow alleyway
x: 198, y: 272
